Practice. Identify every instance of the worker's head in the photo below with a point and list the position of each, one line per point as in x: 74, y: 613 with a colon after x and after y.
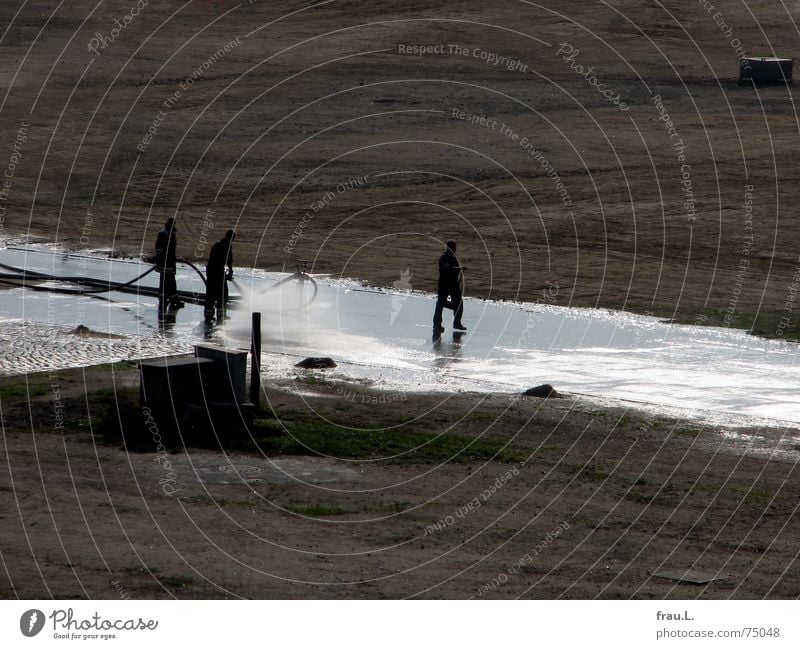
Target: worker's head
x: 169, y: 225
x: 451, y: 245
x: 230, y: 235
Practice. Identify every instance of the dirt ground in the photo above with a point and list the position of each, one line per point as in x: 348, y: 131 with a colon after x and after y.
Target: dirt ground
x: 435, y: 496
x: 329, y: 108
x: 361, y: 135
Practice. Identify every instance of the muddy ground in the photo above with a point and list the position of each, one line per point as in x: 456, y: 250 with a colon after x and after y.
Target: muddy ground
x: 345, y: 492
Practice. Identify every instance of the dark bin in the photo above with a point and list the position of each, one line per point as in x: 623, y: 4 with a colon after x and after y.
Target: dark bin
x: 765, y: 69
x: 166, y: 384
x: 230, y: 376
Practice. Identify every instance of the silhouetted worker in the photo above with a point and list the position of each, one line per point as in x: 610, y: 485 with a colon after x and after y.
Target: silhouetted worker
x: 449, y: 287
x: 221, y: 255
x: 166, y: 261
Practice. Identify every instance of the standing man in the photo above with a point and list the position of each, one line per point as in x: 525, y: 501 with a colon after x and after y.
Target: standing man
x: 221, y: 255
x: 449, y: 286
x: 166, y: 262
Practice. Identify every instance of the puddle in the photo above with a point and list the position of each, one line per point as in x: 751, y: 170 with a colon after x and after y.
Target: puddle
x: 383, y: 337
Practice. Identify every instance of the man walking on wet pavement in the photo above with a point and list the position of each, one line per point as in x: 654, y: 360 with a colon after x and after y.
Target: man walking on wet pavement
x: 221, y: 255
x: 450, y: 271
x: 166, y: 262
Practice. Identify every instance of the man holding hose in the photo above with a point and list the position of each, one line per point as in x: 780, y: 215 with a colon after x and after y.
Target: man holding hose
x: 166, y: 263
x: 221, y: 255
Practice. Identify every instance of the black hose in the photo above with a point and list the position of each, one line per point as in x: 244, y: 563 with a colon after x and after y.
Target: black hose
x: 22, y: 277
x: 23, y: 271
x: 194, y: 268
x: 10, y: 281
x: 102, y: 286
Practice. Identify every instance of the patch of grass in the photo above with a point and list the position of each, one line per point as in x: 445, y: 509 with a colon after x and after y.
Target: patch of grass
x: 764, y: 323
x: 586, y: 472
x: 673, y: 491
x: 687, y: 431
x: 111, y: 394
x: 216, y: 501
x: 642, y: 494
x: 394, y: 507
x: 20, y: 389
x: 313, y: 379
x: 637, y: 490
x: 668, y: 494
x: 321, y: 509
x: 115, y: 411
x: 283, y: 413
x: 751, y: 496
x: 268, y: 426
x: 624, y: 421
x: 395, y: 445
x: 176, y: 581
x: 316, y: 510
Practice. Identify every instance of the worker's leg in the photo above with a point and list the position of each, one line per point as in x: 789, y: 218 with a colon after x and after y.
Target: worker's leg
x: 170, y: 285
x: 458, y: 307
x: 162, y: 291
x: 223, y: 298
x: 441, y: 301
x: 213, y: 285
x: 209, y: 304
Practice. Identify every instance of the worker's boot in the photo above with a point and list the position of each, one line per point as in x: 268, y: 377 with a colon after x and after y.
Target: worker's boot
x: 458, y: 326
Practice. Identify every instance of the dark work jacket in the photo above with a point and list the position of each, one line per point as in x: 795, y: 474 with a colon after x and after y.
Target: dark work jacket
x: 166, y: 256
x: 221, y: 255
x: 449, y: 269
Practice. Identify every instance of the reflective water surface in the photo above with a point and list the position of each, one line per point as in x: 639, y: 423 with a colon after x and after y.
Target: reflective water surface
x: 384, y: 337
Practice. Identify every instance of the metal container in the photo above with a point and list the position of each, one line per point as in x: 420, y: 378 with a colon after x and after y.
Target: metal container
x: 230, y: 379
x: 765, y: 69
